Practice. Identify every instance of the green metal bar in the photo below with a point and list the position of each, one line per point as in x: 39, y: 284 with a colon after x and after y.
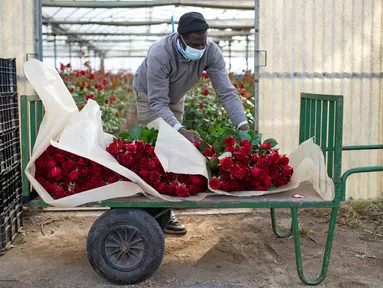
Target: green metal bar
x: 362, y: 147
x: 307, y: 119
x: 40, y: 113
x: 312, y: 118
x: 327, y: 253
x: 324, y: 127
x: 32, y: 123
x: 24, y: 143
x: 338, y: 149
x: 331, y: 135
x: 322, y: 97
x: 354, y: 171
x: 318, y: 122
x: 302, y: 120
x: 187, y: 204
x: 275, y: 228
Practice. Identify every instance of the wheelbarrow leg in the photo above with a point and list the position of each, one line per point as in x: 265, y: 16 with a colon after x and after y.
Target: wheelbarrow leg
x: 275, y: 228
x: 298, y: 252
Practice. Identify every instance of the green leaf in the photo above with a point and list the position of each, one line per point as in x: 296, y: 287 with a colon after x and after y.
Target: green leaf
x: 213, y: 164
x: 227, y: 133
x: 124, y: 136
x: 272, y: 141
x: 218, y: 147
x: 202, y: 146
x: 135, y: 132
x: 251, y: 133
x: 256, y: 141
x: 243, y: 135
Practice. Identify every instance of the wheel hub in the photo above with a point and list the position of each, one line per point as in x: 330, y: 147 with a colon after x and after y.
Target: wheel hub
x: 124, y: 248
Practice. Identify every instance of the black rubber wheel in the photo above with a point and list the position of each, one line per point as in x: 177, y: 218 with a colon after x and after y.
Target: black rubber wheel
x: 125, y: 246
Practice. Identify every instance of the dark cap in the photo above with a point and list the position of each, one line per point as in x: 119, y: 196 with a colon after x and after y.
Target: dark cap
x: 192, y: 22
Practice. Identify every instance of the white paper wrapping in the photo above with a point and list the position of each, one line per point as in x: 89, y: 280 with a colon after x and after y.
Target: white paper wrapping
x: 81, y: 133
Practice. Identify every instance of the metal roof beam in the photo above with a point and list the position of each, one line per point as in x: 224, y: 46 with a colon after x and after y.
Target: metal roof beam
x: 235, y: 5
x: 217, y: 34
x: 237, y: 24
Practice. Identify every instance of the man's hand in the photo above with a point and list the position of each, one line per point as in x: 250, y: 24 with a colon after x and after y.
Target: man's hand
x: 245, y: 127
x: 191, y: 136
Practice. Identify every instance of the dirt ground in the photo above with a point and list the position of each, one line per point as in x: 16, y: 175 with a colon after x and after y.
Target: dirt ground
x: 234, y: 250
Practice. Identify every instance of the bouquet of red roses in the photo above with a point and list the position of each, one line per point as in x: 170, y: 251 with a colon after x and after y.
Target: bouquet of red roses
x: 135, y: 151
x: 62, y: 173
x: 240, y: 161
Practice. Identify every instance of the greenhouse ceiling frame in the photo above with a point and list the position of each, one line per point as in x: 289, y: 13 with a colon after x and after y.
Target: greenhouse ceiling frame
x: 245, y: 28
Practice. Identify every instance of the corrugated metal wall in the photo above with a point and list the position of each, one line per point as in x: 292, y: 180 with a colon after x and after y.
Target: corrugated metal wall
x: 17, y: 36
x: 325, y: 46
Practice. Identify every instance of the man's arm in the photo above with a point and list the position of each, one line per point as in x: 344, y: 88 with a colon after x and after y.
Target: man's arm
x: 158, y: 90
x: 158, y: 97
x: 225, y: 90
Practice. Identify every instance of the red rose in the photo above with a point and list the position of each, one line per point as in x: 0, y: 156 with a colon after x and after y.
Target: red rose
x: 193, y: 190
x: 50, y: 186
x: 152, y: 164
x: 242, y: 86
x: 279, y: 182
x: 275, y: 157
x: 182, y: 191
x: 226, y: 163
x: 234, y: 185
x: 206, y: 92
x: 111, y: 179
x: 88, y: 96
x: 208, y: 152
x: 287, y: 171
x: 263, y: 161
x: 254, y: 158
x: 204, y: 74
x: 96, y: 171
x: 105, y: 81
x: 215, y: 183
x: 266, y: 146
x: 229, y: 141
x: 68, y: 166
x: 237, y: 171
x: 173, y: 188
x: 184, y: 179
x: 73, y: 176
x: 230, y: 149
x: 162, y: 187
x: 201, y: 105
x: 284, y: 161
x: 140, y: 145
x: 127, y: 160
x: 225, y: 186
x: 60, y: 158
x: 58, y: 193
x: 40, y: 164
x: 244, y: 143
x: 267, y: 183
x: 196, y: 144
x: 51, y: 164
x: 144, y: 173
x: 197, y: 180
x: 55, y: 173
x: 245, y: 150
x: 132, y: 148
x: 256, y: 172
x: 150, y: 152
x: 273, y: 170
x: 242, y: 93
x: 235, y: 85
x: 154, y: 176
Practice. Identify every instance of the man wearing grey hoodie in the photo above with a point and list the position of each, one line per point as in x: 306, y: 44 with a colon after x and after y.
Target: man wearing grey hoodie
x: 172, y: 67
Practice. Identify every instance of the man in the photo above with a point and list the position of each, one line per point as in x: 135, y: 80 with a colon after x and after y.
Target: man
x: 173, y: 66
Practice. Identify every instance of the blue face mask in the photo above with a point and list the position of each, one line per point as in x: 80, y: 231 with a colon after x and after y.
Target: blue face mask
x: 190, y: 53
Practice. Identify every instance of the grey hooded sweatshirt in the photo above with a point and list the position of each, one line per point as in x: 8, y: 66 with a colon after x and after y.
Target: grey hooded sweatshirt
x: 165, y: 76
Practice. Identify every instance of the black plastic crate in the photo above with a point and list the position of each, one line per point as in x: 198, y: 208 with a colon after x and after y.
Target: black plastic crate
x: 9, y: 149
x: 11, y: 223
x: 10, y: 188
x: 8, y: 81
x: 9, y: 111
